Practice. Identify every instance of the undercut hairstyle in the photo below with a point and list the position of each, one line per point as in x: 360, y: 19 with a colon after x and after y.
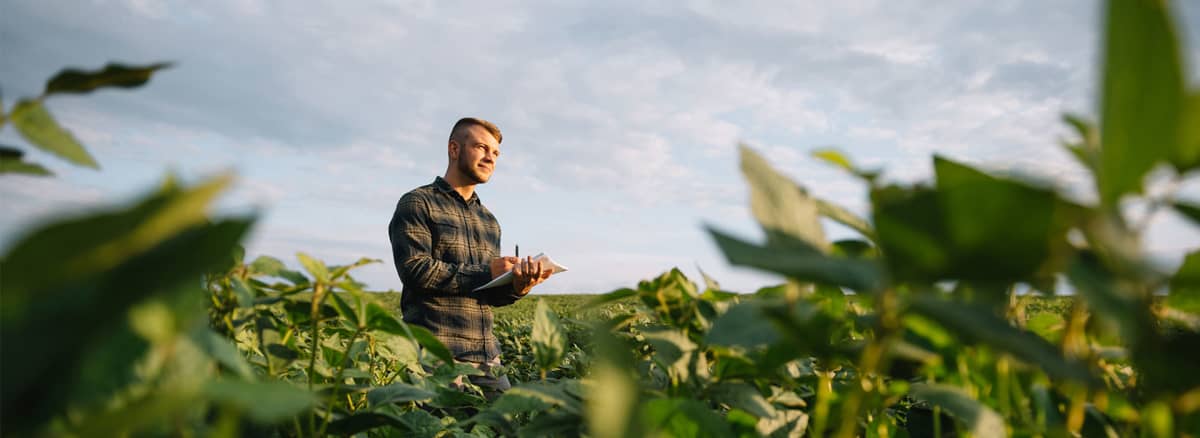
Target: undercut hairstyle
x: 457, y: 133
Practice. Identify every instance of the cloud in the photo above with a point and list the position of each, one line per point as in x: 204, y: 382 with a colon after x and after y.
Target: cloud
x: 612, y: 110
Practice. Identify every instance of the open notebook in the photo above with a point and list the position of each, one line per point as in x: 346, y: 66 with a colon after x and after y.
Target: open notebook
x: 507, y: 277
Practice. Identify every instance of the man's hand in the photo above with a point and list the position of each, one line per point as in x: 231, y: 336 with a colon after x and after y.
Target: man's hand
x: 500, y: 265
x: 527, y: 274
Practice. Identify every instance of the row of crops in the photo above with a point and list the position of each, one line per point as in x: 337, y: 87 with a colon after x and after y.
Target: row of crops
x: 147, y: 319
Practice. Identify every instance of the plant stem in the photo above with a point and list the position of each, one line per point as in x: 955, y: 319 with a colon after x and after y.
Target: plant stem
x: 873, y: 358
x: 824, y: 393
x: 316, y: 346
x: 337, y: 380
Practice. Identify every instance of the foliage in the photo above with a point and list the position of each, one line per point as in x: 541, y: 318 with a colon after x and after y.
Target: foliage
x: 31, y: 119
x: 914, y: 328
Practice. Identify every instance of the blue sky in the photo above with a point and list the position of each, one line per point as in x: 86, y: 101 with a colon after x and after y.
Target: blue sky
x: 620, y: 118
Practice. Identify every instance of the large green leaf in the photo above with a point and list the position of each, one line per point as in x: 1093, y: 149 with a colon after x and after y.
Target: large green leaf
x: 743, y: 326
x: 981, y: 421
x: 1001, y: 230
x: 397, y: 393
x: 380, y: 319
x: 262, y: 401
x: 113, y: 75
x: 38, y: 127
x: 972, y: 227
x: 684, y: 417
x: 783, y: 209
x: 55, y: 325
x: 548, y: 337
x: 796, y: 261
x: 1143, y: 96
x: 612, y: 397
x: 978, y: 323
x: 71, y: 249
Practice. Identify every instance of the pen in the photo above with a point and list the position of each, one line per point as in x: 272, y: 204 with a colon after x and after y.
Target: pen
x: 518, y: 251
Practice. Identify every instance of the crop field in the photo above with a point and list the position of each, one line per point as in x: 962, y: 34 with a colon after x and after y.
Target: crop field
x: 941, y: 316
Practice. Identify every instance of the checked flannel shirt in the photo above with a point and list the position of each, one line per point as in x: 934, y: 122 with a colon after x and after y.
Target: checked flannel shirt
x: 442, y: 246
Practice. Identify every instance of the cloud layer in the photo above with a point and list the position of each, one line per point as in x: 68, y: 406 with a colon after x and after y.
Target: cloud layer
x: 620, y: 118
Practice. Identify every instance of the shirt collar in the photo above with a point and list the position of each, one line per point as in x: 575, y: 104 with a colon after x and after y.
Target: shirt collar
x: 444, y: 186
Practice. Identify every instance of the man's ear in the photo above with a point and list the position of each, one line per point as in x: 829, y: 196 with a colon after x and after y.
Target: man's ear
x: 452, y: 150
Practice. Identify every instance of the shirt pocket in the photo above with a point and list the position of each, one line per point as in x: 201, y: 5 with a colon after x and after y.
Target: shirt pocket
x: 449, y: 241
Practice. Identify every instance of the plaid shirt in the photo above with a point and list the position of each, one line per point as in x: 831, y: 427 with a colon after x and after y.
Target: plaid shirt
x: 442, y: 246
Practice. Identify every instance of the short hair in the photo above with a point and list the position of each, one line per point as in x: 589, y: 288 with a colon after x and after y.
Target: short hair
x: 455, y: 132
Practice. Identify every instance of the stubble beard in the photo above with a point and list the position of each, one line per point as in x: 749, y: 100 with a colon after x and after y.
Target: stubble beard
x: 471, y: 172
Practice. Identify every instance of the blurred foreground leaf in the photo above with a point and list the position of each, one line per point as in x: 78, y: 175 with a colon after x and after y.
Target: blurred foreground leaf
x: 113, y: 75
x: 38, y: 127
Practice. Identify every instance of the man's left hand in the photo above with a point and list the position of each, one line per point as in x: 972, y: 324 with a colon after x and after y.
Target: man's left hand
x: 528, y: 274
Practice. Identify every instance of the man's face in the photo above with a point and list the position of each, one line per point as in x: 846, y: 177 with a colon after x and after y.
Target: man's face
x: 476, y: 154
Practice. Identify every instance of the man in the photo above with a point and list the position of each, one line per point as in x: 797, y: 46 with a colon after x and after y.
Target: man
x: 445, y: 244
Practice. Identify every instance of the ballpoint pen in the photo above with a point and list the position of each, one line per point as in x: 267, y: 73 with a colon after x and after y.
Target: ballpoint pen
x: 518, y: 251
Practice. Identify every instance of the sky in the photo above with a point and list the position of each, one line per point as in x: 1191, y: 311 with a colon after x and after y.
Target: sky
x: 621, y: 119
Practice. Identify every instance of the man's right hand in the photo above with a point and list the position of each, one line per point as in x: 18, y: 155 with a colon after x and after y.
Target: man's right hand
x: 500, y: 265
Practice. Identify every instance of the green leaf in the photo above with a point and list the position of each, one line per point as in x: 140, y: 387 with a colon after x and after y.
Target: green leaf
x: 266, y: 402
x: 981, y: 421
x: 38, y: 127
x: 397, y: 393
x: 683, y: 417
x: 615, y: 295
x: 1186, y: 156
x: 548, y: 338
x: 72, y: 280
x: 114, y: 75
x: 315, y: 267
x: 245, y: 292
x: 783, y: 209
x: 423, y: 336
x: 223, y: 351
x: 845, y: 217
x: 795, y: 261
x: 1049, y: 325
x: 837, y: 158
x: 345, y: 309
x: 1110, y: 298
x: 1185, y: 285
x: 742, y: 396
x: 10, y: 162
x: 267, y: 265
x: 539, y: 396
x: 978, y: 323
x: 71, y: 249
x: 1143, y: 96
x: 363, y: 421
x: 675, y: 353
x: 15, y: 165
x: 283, y: 352
x: 742, y: 326
x: 339, y: 271
x: 1007, y: 238
x: 613, y: 397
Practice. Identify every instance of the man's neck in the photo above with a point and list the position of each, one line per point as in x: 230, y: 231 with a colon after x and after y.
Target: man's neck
x: 461, y: 184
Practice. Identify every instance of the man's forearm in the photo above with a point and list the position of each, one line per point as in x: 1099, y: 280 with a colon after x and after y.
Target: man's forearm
x: 452, y: 278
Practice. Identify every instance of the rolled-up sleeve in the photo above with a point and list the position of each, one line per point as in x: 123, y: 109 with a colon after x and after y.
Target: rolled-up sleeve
x: 412, y: 253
